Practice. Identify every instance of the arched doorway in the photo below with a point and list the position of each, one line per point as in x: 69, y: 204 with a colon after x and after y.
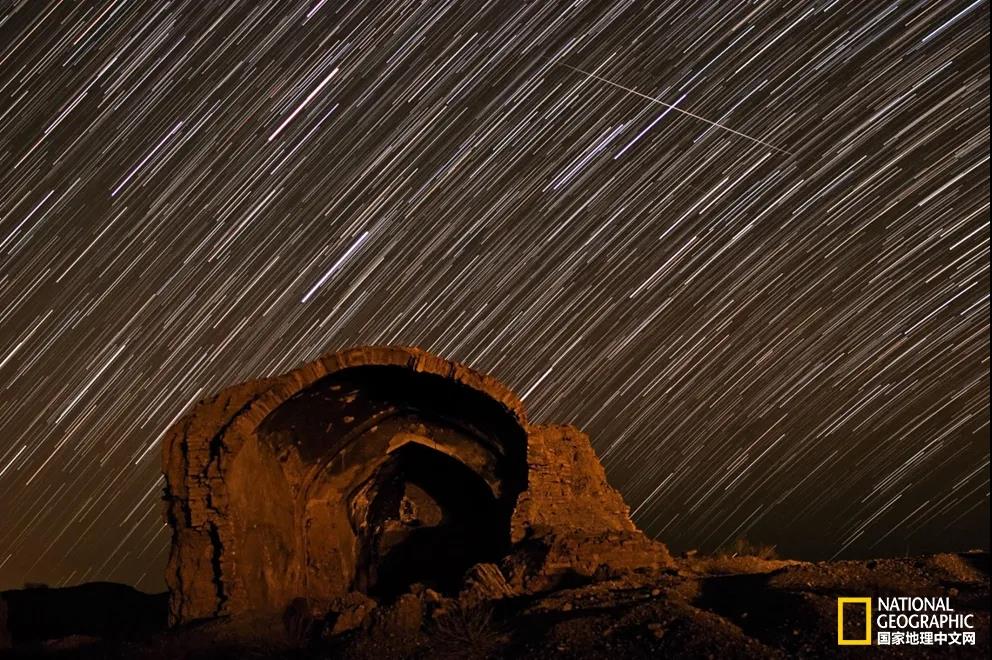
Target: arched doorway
x: 428, y: 519
x: 404, y: 477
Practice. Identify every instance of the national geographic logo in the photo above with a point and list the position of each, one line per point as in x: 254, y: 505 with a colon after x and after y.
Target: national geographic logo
x: 860, y: 640
x: 902, y: 620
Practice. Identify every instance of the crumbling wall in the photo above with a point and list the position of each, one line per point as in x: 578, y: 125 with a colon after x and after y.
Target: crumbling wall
x: 238, y: 504
x: 272, y: 485
x: 570, y: 524
x: 194, y: 450
x: 566, y: 487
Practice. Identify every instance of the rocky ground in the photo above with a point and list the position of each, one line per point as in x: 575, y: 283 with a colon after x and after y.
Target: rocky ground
x: 705, y: 607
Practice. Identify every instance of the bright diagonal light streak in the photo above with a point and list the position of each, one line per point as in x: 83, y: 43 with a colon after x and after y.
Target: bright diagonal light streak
x: 337, y: 264
x: 671, y: 106
x: 303, y: 104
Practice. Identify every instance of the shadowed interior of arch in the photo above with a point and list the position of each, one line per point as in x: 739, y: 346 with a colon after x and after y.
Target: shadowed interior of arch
x: 430, y: 520
x: 412, y: 478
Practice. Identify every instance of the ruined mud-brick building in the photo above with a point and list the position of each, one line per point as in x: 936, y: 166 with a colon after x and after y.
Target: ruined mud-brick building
x: 373, y: 469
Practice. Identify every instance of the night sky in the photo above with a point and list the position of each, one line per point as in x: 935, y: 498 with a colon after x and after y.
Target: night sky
x: 743, y: 245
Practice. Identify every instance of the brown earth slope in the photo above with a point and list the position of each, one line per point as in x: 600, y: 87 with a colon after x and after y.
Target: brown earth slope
x: 726, y: 607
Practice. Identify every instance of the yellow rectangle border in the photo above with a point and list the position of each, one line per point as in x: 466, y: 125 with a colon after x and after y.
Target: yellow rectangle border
x: 840, y: 622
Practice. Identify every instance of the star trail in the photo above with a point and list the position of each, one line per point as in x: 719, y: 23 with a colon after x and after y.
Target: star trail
x: 745, y: 246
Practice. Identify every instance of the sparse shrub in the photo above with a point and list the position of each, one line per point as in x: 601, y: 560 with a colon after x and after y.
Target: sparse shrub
x: 299, y: 621
x: 744, y: 548
x: 465, y: 632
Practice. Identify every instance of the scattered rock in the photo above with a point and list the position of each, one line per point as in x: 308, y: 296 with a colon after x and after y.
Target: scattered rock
x: 569, y: 558
x: 484, y: 582
x: 401, y: 619
x: 347, y: 613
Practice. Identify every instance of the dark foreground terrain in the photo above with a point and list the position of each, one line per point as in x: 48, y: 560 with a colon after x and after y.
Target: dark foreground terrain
x: 719, y: 607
